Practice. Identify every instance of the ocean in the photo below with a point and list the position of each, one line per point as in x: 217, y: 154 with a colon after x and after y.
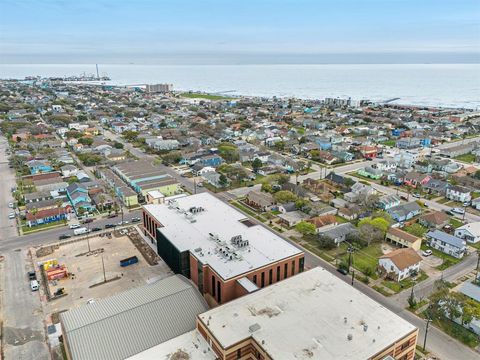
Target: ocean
x: 448, y: 85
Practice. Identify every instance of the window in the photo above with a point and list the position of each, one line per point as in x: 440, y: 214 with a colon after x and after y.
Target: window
x: 239, y: 353
x: 255, y: 279
x: 278, y: 273
x: 301, y: 264
x: 293, y: 267
x: 285, y: 271
x: 219, y: 292
x: 262, y: 280
x: 213, y: 286
x: 270, y: 276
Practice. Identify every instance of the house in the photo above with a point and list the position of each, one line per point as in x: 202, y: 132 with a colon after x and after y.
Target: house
x: 403, y: 239
x: 370, y: 172
x: 386, y: 165
x: 211, y: 160
x: 69, y: 170
x: 388, y: 201
x: 415, y: 179
x: 337, y: 180
x: 358, y: 192
x: 400, y: 264
x: 213, y: 178
x: 260, y: 200
x: 350, y: 213
x: 368, y: 152
x: 469, y: 232
x: 323, y: 222
x: 292, y: 218
x: 339, y: 233
x: 287, y: 207
x: 458, y: 193
x: 47, y: 216
x: 436, y: 186
x: 446, y: 243
x: 434, y: 220
x: 476, y: 203
x: 39, y: 166
x: 405, y: 212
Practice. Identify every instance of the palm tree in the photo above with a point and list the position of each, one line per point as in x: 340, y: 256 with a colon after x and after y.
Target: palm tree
x: 58, y: 204
x: 102, y: 199
x: 34, y: 212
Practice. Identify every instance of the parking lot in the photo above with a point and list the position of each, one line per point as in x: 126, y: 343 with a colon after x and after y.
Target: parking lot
x: 85, y: 261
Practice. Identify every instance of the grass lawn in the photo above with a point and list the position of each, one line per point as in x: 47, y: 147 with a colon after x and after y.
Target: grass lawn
x: 447, y: 259
x: 443, y: 201
x: 468, y: 158
x: 475, y: 194
x: 26, y: 229
x: 340, y: 219
x: 416, y: 229
x: 194, y: 95
x: 390, y: 143
x: 455, y: 223
x: 405, y: 283
x: 365, y: 259
x: 457, y: 331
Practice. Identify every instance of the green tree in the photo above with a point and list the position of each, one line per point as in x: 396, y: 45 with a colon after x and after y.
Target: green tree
x: 267, y: 187
x: 222, y: 180
x: 285, y: 196
x: 85, y: 141
x: 130, y: 135
x: 256, y: 164
x: 117, y: 145
x: 283, y: 179
x: 305, y: 228
x: 172, y: 157
x: 229, y: 152
x: 280, y: 145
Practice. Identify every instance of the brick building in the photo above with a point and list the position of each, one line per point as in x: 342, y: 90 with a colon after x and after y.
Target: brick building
x: 218, y: 248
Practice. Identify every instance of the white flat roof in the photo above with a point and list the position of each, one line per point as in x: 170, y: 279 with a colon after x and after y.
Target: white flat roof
x: 191, y: 343
x: 194, y: 232
x: 308, y: 316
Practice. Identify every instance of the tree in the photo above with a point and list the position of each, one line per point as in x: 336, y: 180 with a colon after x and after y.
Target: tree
x: 477, y: 175
x: 85, y: 141
x: 229, y: 152
x: 222, y: 180
x: 117, y: 145
x: 326, y: 242
x: 283, y: 179
x: 256, y: 164
x: 280, y: 145
x: 348, y: 182
x: 172, y: 157
x: 285, y: 196
x: 130, y: 135
x: 379, y: 223
x: 305, y: 228
x: 266, y: 187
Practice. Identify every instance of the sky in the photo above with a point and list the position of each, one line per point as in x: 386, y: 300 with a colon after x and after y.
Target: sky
x: 242, y: 31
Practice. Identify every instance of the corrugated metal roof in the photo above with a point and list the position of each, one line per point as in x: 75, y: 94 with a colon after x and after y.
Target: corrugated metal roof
x: 133, y: 321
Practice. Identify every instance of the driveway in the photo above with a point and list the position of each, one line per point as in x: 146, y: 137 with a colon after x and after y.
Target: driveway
x: 23, y: 329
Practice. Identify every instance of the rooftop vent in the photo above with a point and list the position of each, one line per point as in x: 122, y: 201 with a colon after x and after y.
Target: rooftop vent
x: 197, y: 250
x: 349, y: 337
x: 254, y: 327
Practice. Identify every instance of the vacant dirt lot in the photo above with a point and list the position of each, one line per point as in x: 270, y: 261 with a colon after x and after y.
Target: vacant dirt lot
x: 86, y: 269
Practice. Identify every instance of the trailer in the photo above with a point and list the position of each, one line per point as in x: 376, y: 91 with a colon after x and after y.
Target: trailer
x: 129, y: 261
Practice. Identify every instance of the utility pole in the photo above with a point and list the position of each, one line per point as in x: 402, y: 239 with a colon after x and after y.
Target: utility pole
x: 194, y: 186
x: 464, y: 212
x: 350, y: 251
x: 88, y: 238
x: 353, y: 276
x: 426, y: 334
x: 103, y: 266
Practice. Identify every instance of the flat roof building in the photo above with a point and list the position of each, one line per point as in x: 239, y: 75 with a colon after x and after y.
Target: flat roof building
x: 313, y: 315
x: 215, y: 245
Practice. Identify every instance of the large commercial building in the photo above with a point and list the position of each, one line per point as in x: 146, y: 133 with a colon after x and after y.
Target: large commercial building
x: 313, y: 315
x: 133, y: 321
x: 224, y: 253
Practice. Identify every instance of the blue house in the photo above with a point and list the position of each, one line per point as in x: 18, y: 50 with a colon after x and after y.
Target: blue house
x: 39, y: 166
x: 78, y: 197
x: 211, y: 160
x: 405, y: 212
x: 324, y: 143
x: 397, y: 132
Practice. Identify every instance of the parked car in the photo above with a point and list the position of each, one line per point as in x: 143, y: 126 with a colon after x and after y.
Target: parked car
x: 342, y: 271
x: 64, y: 236
x: 10, y: 205
x: 427, y: 252
x: 415, y: 195
x: 11, y: 215
x: 109, y: 226
x: 34, y: 286
x: 458, y: 210
x: 136, y: 219
x: 74, y: 226
x: 96, y: 229
x: 124, y: 222
x: 111, y: 216
x: 86, y: 221
x: 32, y: 275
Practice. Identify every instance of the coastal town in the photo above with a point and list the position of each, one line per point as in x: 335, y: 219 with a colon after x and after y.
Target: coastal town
x: 218, y: 223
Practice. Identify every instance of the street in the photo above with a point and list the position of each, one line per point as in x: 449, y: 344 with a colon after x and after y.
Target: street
x: 7, y: 181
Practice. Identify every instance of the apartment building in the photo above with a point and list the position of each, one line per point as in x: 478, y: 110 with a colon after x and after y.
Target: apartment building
x: 313, y: 315
x: 224, y: 253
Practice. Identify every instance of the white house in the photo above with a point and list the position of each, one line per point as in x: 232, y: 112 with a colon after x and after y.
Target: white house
x: 386, y: 165
x: 447, y: 243
x: 400, y: 264
x: 458, y: 193
x: 69, y: 170
x: 469, y: 232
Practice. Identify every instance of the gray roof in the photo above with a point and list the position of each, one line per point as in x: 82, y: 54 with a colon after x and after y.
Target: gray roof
x: 339, y: 231
x: 133, y: 321
x: 447, y: 238
x: 471, y: 290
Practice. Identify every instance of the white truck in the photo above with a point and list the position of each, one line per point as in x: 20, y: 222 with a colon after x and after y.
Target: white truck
x: 80, y: 231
